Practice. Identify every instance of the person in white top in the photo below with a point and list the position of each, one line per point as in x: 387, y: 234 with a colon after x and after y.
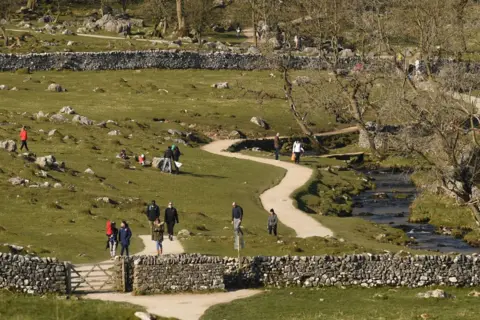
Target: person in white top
x: 297, y: 150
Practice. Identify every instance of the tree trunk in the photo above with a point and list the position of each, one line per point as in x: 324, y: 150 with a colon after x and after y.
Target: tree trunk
x: 31, y: 4
x: 254, y: 21
x: 180, y: 18
x: 4, y: 34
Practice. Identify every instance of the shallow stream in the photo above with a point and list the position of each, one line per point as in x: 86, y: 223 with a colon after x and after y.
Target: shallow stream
x: 389, y: 204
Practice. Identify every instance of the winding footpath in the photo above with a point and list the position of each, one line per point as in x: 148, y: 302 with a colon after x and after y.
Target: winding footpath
x: 193, y: 306
x: 278, y: 197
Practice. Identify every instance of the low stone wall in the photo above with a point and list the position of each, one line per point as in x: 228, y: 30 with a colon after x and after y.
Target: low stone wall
x: 162, y: 59
x: 199, y: 273
x: 179, y: 273
x: 32, y: 274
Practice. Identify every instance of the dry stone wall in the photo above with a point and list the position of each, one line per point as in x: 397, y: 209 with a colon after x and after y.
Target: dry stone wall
x: 33, y: 275
x: 188, y: 272
x: 162, y: 59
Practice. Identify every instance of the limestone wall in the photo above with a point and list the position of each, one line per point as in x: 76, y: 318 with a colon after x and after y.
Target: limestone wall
x: 187, y: 272
x: 32, y: 274
x: 162, y: 59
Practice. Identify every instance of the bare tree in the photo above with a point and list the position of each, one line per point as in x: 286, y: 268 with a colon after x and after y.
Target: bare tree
x: 198, y: 16
x: 159, y: 12
x: 181, y: 25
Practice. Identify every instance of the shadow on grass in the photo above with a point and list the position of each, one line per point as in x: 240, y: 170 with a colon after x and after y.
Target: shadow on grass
x: 197, y: 175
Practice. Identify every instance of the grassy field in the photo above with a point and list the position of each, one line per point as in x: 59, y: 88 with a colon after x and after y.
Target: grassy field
x: 141, y: 95
x: 23, y: 307
x: 350, y: 304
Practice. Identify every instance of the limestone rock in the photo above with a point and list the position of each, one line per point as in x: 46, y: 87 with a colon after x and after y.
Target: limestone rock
x: 259, y: 122
x: 70, y: 43
x: 3, y: 87
x: 89, y: 171
x: 157, y: 162
x: 58, y: 118
x: 45, y: 162
x: 235, y: 134
x: 8, y: 145
x: 183, y: 233
x: 16, y: 181
x: 114, y: 133
x: 143, y: 316
x: 174, y: 132
x: 346, y: 53
x: 67, y: 32
x: 302, y: 80
x: 52, y: 132
x: 39, y: 115
x: 82, y: 120
x: 67, y: 110
x: 57, y: 185
x: 220, y: 85
x: 438, y: 293
x: 55, y: 87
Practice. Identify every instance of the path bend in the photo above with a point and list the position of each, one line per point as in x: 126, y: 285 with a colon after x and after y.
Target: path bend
x: 279, y: 196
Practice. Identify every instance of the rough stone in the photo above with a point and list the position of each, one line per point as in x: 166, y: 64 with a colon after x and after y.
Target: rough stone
x: 16, y: 181
x: 58, y: 118
x: 183, y: 233
x: 67, y: 110
x: 3, y: 87
x: 438, y: 294
x: 220, y: 85
x: 259, y: 122
x: 52, y: 132
x: 55, y: 87
x: 8, y: 145
x: 89, y: 171
x: 82, y: 120
x: 114, y: 133
x: 235, y: 134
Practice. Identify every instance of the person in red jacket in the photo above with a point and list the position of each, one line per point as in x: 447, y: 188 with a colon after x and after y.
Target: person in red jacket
x: 108, y: 232
x: 24, y: 138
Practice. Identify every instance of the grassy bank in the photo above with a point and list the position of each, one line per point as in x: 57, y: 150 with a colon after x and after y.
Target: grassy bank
x: 358, y: 304
x: 23, y: 307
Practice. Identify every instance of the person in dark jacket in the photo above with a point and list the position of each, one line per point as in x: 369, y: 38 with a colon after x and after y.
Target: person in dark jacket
x: 113, y: 240
x: 276, y: 145
x: 176, y: 157
x: 168, y: 158
x: 171, y: 217
x: 153, y: 212
x: 124, y: 235
x: 272, y: 223
x: 158, y: 230
x: 237, y: 217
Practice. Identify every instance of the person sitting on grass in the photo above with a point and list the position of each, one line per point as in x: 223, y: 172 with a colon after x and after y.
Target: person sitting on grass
x: 123, y: 155
x: 141, y: 159
x: 158, y: 231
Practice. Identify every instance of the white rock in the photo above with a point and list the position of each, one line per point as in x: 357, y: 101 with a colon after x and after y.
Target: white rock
x: 57, y: 185
x: 143, y: 315
x: 3, y: 87
x: 220, y: 85
x: 67, y: 110
x: 52, y: 132
x: 70, y: 43
x: 55, y: 87
x: 89, y: 171
x: 114, y: 133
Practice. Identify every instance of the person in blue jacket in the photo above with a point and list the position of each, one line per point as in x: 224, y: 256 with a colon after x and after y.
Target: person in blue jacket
x: 125, y: 234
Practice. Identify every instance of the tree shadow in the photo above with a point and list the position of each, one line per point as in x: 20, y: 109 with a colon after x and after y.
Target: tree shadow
x: 198, y: 175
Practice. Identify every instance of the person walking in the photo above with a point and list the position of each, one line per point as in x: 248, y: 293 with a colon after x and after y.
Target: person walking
x: 272, y: 223
x: 158, y: 231
x: 171, y: 218
x: 24, y: 138
x: 176, y: 157
x: 167, y: 162
x: 276, y: 145
x: 239, y: 31
x: 153, y: 212
x: 237, y: 217
x: 297, y: 150
x: 125, y: 234
x: 108, y: 233
x: 113, y: 240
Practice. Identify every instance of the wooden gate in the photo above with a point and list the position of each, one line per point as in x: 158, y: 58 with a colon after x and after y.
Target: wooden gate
x: 87, y: 278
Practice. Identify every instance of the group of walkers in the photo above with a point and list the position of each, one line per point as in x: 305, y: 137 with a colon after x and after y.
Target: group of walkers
x: 170, y: 163
x: 297, y: 149
x: 157, y: 227
x: 237, y: 218
x: 115, y: 236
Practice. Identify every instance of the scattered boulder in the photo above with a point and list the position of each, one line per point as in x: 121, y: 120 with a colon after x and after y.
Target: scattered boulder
x: 46, y: 184
x: 14, y: 89
x: 438, y: 294
x: 67, y: 32
x: 3, y: 87
x: 42, y: 173
x: 235, y: 134
x: 274, y: 43
x: 70, y: 43
x: 174, y: 132
x: 58, y: 118
x: 302, y: 80
x: 101, y: 124
x: 220, y: 85
x: 82, y: 120
x: 312, y: 51
x: 183, y: 233
x: 52, y: 132
x: 89, y: 171
x: 346, y: 53
x: 55, y: 87
x: 57, y: 185
x: 474, y: 293
x: 221, y: 46
x: 259, y: 122
x: 143, y: 316
x: 114, y: 133
x: 67, y: 110
x: 253, y: 50
x: 8, y: 145
x: 39, y: 115
x: 157, y: 162
x: 17, y: 181
x: 98, y: 89
x: 45, y: 162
